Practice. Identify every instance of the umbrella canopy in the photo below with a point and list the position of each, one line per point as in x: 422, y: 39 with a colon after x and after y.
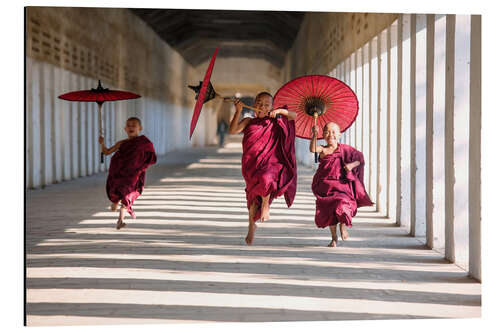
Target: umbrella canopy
x: 201, y: 93
x: 329, y: 98
x: 98, y: 95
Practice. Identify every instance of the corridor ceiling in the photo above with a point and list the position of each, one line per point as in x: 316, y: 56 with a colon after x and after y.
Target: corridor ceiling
x: 196, y: 33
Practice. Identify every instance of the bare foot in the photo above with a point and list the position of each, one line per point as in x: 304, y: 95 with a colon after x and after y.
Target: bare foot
x: 114, y: 207
x: 333, y: 243
x: 120, y: 224
x: 343, y: 232
x: 251, y: 231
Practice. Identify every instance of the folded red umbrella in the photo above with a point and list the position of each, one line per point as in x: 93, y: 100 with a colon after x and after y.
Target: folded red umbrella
x: 98, y: 95
x: 205, y: 92
x: 317, y: 100
x: 202, y: 95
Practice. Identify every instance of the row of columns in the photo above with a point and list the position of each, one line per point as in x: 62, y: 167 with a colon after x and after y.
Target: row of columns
x: 418, y: 84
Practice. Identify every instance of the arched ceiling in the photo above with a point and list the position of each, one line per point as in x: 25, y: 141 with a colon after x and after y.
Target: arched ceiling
x: 238, y: 33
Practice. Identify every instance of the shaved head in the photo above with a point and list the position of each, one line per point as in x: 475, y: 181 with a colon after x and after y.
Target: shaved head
x: 331, y: 124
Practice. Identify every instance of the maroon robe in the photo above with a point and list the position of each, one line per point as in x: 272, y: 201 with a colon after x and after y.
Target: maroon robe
x: 339, y: 193
x: 127, y: 171
x: 268, y: 162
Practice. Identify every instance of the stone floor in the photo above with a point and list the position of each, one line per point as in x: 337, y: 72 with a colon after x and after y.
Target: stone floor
x: 184, y: 258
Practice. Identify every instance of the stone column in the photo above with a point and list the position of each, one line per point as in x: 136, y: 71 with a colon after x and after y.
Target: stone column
x: 461, y: 112
x: 359, y: 93
x: 383, y: 147
x: 429, y: 133
x: 365, y: 143
x: 374, y: 122
x: 475, y: 150
x: 420, y: 107
x: 394, y: 122
x: 438, y: 138
x: 405, y: 137
x: 449, y: 172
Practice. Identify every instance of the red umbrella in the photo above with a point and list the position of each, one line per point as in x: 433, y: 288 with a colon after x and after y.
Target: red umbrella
x: 318, y: 99
x: 202, y: 96
x: 99, y: 95
x: 205, y: 92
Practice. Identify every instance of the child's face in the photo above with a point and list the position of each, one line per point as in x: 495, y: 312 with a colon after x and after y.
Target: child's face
x: 133, y: 128
x: 331, y: 134
x: 264, y: 103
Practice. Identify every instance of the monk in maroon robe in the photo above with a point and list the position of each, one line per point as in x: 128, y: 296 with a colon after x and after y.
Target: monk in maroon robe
x: 268, y: 162
x: 127, y: 170
x: 338, y: 183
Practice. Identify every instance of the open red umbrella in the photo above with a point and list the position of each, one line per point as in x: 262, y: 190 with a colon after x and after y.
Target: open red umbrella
x: 205, y: 92
x: 98, y: 95
x: 317, y: 100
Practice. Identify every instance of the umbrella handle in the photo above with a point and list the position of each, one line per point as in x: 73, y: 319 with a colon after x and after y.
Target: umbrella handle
x: 315, y: 140
x: 231, y: 99
x: 99, y: 106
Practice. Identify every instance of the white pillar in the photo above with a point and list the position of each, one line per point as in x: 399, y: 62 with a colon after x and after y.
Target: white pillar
x: 51, y: 96
x: 352, y: 84
x: 43, y: 119
x: 34, y: 126
x: 383, y: 134
x: 394, y: 124
x: 347, y: 81
x: 429, y: 132
x: 365, y: 145
x: 406, y: 128
x: 359, y: 93
x: 461, y: 111
x: 28, y: 123
x: 412, y: 124
x: 374, y: 121
x: 449, y: 172
x: 420, y: 139
x: 439, y: 133
x: 475, y: 150
x: 73, y: 128
x: 57, y: 125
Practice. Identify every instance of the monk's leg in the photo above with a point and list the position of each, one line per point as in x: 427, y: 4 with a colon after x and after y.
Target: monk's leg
x: 120, y: 224
x: 114, y: 206
x: 343, y: 231
x: 265, y: 208
x: 252, y: 226
x: 333, y: 231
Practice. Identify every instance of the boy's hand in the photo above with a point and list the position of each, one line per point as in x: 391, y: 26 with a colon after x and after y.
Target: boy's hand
x: 238, y: 104
x: 101, y: 140
x: 274, y: 113
x: 349, y: 166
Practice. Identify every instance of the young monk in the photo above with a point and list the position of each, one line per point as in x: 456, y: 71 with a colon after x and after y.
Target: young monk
x: 338, y: 183
x: 127, y: 170
x: 268, y: 162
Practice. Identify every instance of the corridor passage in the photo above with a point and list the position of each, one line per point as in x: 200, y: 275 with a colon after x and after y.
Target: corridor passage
x: 184, y: 258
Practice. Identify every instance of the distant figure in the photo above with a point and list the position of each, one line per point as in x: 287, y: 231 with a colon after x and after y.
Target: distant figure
x: 338, y: 183
x: 222, y: 127
x: 268, y: 162
x: 127, y: 171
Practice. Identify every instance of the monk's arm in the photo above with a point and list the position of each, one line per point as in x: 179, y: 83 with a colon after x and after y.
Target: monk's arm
x: 237, y: 126
x: 314, y: 143
x: 107, y: 151
x: 352, y: 165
